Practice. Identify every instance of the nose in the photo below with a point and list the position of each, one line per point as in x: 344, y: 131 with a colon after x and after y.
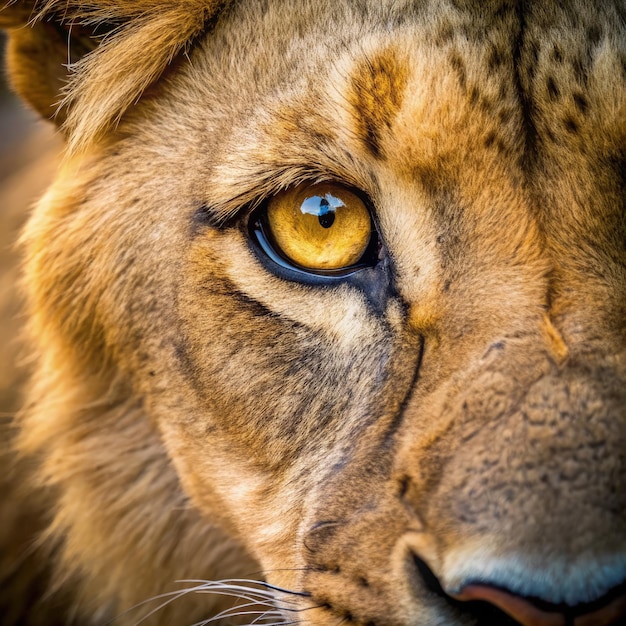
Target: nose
x: 494, y: 602
x: 606, y: 611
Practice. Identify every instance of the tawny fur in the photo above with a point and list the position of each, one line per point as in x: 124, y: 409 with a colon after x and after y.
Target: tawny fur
x: 196, y: 412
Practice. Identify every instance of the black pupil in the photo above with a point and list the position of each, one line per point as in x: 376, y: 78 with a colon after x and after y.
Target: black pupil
x: 327, y: 219
x: 326, y: 216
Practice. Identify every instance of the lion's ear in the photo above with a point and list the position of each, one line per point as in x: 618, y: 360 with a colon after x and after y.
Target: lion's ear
x: 40, y: 53
x: 85, y: 62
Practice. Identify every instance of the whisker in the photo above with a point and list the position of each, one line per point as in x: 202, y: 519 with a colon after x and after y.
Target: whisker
x: 204, y: 587
x: 265, y: 615
x: 177, y: 594
x: 249, y: 581
x: 264, y: 602
x: 255, y: 593
x: 243, y: 595
x: 172, y: 596
x: 255, y: 623
x: 232, y: 612
x: 275, y: 613
x: 251, y: 586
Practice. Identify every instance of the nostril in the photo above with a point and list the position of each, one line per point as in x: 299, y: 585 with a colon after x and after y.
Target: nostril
x: 490, y: 604
x: 607, y: 611
x: 486, y: 614
x: 522, y: 610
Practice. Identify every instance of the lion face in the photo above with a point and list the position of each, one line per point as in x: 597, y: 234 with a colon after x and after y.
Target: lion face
x: 363, y: 270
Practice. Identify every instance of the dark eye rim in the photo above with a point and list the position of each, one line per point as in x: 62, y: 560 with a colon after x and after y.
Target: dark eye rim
x: 263, y: 244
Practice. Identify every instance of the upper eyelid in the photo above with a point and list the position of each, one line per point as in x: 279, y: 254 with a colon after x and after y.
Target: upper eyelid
x: 243, y: 218
x: 256, y: 190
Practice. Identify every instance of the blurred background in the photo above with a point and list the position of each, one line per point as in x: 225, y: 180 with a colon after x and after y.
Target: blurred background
x: 14, y: 118
x: 28, y: 156
x: 29, y: 151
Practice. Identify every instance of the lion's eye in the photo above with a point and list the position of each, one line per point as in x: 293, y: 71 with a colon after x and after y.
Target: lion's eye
x: 321, y: 227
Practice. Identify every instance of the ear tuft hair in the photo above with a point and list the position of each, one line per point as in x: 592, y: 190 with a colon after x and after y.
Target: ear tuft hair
x: 141, y: 38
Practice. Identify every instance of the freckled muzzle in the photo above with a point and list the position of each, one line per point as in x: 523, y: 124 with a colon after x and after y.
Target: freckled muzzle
x: 512, y: 502
x: 524, y: 506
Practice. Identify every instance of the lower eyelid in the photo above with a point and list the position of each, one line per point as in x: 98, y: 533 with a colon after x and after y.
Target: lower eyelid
x: 262, y: 246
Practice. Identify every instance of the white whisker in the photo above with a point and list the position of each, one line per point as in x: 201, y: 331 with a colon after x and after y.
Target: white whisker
x: 234, y: 612
x: 270, y: 614
x: 171, y: 597
x: 255, y: 623
x: 246, y: 581
x: 267, y: 598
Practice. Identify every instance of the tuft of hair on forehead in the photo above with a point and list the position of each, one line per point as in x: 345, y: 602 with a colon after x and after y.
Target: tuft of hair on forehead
x: 143, y: 37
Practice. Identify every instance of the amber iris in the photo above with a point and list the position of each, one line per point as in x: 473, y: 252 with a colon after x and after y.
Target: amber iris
x: 320, y: 227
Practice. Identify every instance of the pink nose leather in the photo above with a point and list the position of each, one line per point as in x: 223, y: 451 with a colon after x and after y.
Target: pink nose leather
x: 529, y: 614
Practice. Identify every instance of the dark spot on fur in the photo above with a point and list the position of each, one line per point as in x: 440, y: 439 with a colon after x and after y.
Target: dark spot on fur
x: 489, y: 139
x: 495, y: 59
x: 594, y: 34
x: 617, y: 163
x: 504, y: 10
x: 581, y: 102
x: 580, y: 71
x: 505, y: 116
x: 485, y: 105
x: 473, y: 96
x: 533, y: 59
x: 549, y: 135
x: 430, y: 177
x: 403, y: 486
x: 376, y: 95
x: 553, y: 90
x: 446, y: 285
x: 556, y: 54
x: 204, y: 216
x: 467, y: 32
x: 363, y: 582
x: 571, y: 126
x: 444, y: 34
x: 458, y: 66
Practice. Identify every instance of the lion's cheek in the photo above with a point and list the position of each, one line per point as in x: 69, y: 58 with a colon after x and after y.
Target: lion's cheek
x: 256, y: 506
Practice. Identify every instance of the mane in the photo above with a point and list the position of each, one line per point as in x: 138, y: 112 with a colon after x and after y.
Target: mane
x: 142, y: 38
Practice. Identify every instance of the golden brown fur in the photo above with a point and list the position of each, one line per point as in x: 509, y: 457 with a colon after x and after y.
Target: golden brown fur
x: 446, y: 424
x: 25, y: 170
